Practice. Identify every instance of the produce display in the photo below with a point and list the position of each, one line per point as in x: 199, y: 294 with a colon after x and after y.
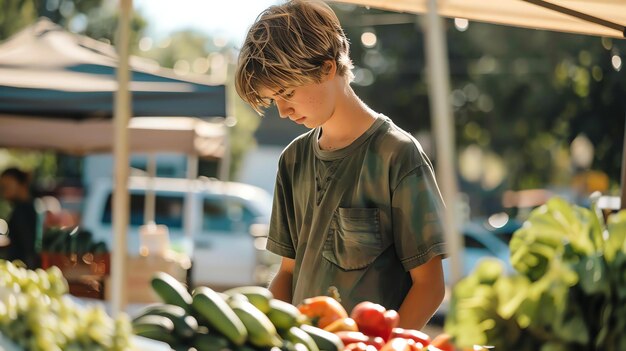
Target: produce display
x: 37, y: 315
x: 249, y: 318
x: 71, y: 241
x: 568, y: 293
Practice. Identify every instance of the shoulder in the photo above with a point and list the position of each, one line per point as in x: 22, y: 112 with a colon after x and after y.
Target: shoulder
x: 297, y: 149
x: 402, y: 152
x: 400, y: 145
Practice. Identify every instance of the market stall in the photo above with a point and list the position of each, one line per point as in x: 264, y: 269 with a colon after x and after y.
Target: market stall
x: 48, y: 72
x: 189, y: 136
x: 76, y: 83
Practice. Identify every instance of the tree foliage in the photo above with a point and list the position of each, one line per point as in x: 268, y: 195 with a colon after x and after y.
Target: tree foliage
x: 520, y: 94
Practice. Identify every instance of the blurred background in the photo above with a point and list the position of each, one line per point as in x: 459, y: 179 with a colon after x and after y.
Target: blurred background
x: 537, y: 114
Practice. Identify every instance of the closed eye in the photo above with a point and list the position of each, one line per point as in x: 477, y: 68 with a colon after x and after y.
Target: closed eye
x: 268, y: 101
x: 290, y: 94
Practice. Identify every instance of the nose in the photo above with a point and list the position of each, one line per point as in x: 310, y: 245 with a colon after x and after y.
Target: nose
x: 284, y: 110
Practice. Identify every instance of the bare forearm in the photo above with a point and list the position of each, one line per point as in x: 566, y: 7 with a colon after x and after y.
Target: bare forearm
x: 281, y: 286
x: 419, y: 306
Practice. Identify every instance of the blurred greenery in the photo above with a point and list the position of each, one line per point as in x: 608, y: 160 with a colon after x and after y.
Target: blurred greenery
x: 14, y: 15
x: 567, y: 290
x: 94, y: 18
x: 192, y: 52
x: 521, y: 95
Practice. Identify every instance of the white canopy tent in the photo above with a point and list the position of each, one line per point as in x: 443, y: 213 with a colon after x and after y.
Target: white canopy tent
x: 187, y: 135
x: 592, y: 17
x: 48, y: 73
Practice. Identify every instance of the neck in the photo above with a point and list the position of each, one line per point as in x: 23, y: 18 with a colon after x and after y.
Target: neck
x: 350, y: 120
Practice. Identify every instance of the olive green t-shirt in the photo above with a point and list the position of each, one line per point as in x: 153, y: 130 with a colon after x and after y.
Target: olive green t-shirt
x: 357, y: 218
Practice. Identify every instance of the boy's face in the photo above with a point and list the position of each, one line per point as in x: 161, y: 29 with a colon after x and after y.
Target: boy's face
x: 310, y: 105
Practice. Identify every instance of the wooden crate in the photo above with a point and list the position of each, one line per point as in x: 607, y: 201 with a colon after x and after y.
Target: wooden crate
x: 139, y: 273
x: 75, y: 266
x: 85, y: 273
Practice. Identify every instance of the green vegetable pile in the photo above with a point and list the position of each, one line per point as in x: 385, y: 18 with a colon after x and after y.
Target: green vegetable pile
x: 246, y: 318
x: 568, y: 292
x: 37, y: 315
x: 71, y: 241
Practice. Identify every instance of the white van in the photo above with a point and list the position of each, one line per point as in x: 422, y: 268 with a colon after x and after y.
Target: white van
x: 223, y: 250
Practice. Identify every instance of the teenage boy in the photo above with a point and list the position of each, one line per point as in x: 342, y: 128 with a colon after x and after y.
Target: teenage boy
x: 356, y: 204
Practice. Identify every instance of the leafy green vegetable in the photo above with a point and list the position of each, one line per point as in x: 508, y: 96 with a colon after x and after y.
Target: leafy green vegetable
x: 71, y: 241
x: 568, y: 293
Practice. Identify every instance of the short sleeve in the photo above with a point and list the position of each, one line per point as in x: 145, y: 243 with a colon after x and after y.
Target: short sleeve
x: 279, y: 240
x: 417, y: 218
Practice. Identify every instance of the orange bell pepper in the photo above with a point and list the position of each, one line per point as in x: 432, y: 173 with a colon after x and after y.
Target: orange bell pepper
x: 344, y: 324
x: 322, y: 310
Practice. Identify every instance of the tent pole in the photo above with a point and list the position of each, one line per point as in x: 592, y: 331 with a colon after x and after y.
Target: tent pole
x: 580, y: 15
x: 189, y: 216
x: 224, y: 165
x: 120, y: 151
x: 150, y: 202
x: 623, y: 182
x: 441, y: 117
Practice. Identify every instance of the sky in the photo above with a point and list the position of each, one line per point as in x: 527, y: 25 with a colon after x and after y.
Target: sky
x: 229, y: 19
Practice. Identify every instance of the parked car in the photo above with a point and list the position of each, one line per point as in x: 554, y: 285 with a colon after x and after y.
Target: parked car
x: 479, y: 243
x: 224, y: 252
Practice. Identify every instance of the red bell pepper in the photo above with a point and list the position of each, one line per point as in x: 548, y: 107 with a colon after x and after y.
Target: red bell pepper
x: 412, y: 334
x: 350, y: 337
x: 373, y: 320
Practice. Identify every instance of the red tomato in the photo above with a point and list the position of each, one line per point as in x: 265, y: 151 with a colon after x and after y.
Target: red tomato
x: 373, y: 320
x: 412, y: 334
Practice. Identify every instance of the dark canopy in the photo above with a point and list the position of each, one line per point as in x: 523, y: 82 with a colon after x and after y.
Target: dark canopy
x: 46, y: 71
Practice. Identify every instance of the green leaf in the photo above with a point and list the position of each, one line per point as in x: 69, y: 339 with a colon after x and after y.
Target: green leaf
x: 554, y: 346
x: 511, y: 292
x: 569, y: 292
x: 592, y: 272
x: 616, y: 235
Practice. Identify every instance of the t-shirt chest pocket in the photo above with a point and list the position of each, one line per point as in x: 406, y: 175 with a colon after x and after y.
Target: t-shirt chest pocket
x: 354, y: 240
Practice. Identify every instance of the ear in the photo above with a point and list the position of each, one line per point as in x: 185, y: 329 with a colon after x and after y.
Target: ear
x: 329, y: 69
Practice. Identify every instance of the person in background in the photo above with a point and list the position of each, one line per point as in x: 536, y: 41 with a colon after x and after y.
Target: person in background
x: 23, y: 222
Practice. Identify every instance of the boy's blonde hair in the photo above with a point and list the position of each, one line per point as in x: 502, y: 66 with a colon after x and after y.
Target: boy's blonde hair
x: 287, y: 46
